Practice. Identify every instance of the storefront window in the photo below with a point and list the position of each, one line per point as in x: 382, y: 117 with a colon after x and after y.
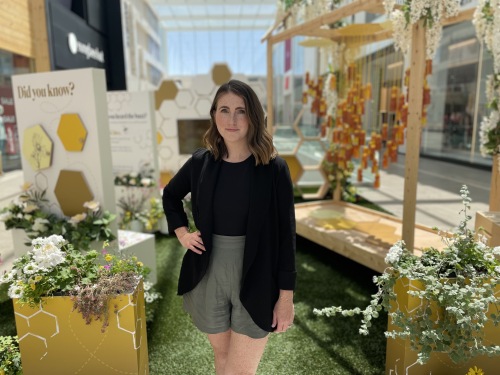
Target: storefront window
x: 10, y: 64
x: 455, y: 112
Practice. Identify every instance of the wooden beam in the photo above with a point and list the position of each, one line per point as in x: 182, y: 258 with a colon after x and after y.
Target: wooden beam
x: 328, y: 18
x: 270, y: 91
x: 275, y: 26
x: 413, y: 132
x: 39, y: 35
x: 464, y: 15
x: 495, y: 184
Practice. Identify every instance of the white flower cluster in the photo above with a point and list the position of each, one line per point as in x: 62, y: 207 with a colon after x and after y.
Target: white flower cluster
x: 395, y: 253
x: 488, y: 124
x: 487, y: 23
x: 150, y: 295
x: 47, y: 253
x: 434, y: 12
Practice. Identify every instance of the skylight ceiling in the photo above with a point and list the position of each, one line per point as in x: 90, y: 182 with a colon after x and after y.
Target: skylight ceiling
x: 195, y: 15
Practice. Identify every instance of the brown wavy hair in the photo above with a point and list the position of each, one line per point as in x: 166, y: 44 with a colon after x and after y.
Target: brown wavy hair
x: 259, y: 140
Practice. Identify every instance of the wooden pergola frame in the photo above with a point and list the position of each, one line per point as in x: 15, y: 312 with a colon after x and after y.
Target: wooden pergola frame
x: 315, y: 27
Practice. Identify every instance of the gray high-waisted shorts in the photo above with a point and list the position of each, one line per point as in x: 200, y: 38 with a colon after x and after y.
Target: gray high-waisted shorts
x: 214, y: 304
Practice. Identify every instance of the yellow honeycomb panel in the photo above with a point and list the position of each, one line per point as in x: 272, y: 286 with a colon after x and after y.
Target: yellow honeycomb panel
x: 295, y: 167
x: 221, y: 74
x: 167, y: 91
x: 37, y: 147
x: 72, y: 191
x: 72, y: 132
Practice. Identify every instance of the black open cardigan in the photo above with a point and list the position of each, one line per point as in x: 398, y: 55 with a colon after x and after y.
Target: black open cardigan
x: 269, y: 257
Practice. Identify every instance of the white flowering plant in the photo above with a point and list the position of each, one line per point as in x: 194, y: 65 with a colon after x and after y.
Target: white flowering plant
x: 143, y: 178
x: 487, y: 23
x: 460, y: 281
x: 431, y: 12
x: 151, y: 297
x: 53, y: 267
x: 29, y: 212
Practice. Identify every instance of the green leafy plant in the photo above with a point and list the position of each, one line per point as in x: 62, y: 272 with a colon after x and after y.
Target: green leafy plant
x: 132, y: 205
x: 10, y: 357
x: 143, y: 178
x: 54, y: 267
x: 29, y: 212
x: 459, y: 282
x: 152, y: 215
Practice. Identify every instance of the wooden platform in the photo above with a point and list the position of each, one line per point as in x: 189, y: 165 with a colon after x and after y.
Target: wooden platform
x: 355, y: 232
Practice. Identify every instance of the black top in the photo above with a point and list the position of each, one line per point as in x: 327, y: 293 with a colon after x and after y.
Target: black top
x: 232, y: 198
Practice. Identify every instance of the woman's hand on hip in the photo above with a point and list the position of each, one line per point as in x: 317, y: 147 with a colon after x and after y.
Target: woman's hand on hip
x: 192, y: 241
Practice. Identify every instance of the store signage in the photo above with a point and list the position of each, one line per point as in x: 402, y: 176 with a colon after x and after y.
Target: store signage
x: 73, y: 43
x: 90, y: 52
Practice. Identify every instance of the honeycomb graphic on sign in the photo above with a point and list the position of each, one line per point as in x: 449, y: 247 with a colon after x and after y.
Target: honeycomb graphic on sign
x: 37, y: 147
x: 72, y: 132
x: 39, y: 326
x: 126, y: 323
x: 72, y: 191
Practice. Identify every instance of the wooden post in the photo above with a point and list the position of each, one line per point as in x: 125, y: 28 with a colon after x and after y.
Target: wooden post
x: 495, y: 184
x: 413, y: 132
x: 39, y: 35
x: 270, y: 91
x: 337, y: 193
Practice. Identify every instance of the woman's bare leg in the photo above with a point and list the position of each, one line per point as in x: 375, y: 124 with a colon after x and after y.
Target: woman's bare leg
x: 244, y: 354
x: 220, y: 345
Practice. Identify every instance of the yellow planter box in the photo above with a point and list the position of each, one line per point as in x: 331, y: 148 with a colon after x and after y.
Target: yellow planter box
x: 400, y: 359
x: 54, y: 339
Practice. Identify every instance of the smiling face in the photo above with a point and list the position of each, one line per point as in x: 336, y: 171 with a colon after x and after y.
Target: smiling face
x: 231, y: 119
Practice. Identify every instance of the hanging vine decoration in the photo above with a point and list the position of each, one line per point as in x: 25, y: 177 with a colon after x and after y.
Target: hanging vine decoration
x: 305, y: 10
x: 487, y: 23
x: 432, y: 12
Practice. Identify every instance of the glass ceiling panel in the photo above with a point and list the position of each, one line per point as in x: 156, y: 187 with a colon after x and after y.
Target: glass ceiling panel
x: 181, y: 11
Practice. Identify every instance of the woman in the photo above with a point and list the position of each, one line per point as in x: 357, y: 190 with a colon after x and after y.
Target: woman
x: 238, y: 275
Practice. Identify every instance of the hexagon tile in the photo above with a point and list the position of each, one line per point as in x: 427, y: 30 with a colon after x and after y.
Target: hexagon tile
x: 221, y: 74
x: 72, y: 132
x: 72, y: 191
x: 296, y: 169
x: 167, y: 91
x: 37, y: 147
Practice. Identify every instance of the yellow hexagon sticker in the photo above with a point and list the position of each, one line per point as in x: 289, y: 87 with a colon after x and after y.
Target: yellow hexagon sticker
x: 72, y: 132
x: 72, y: 191
x: 37, y: 147
x: 221, y: 74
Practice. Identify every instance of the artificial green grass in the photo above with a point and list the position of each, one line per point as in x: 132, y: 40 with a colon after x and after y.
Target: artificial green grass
x: 314, y: 345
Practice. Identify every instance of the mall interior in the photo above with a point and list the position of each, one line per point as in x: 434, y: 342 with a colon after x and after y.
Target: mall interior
x: 141, y: 76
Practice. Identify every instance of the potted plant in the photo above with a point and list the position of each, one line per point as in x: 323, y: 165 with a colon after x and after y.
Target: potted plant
x: 442, y: 303
x: 29, y: 215
x: 79, y: 306
x: 10, y: 358
x: 132, y: 205
x: 152, y: 215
